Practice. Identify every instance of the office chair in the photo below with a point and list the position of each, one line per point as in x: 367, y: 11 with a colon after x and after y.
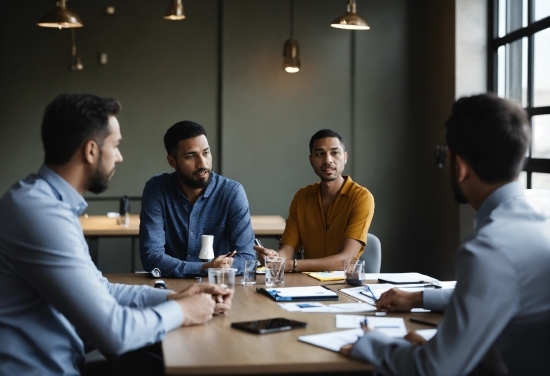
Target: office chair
x: 372, y: 254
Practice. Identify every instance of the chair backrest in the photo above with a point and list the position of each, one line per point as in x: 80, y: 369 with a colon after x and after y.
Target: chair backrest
x: 372, y: 254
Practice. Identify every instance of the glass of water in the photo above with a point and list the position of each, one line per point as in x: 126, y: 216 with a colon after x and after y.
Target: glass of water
x: 249, y: 275
x: 274, y: 271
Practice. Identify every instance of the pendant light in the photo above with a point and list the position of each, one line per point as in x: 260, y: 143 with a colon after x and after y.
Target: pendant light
x: 60, y: 18
x: 291, y: 62
x: 175, y: 11
x: 351, y: 20
x: 76, y: 63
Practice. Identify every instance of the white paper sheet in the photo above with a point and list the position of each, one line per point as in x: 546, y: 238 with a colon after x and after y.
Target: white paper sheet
x: 333, y: 340
x: 392, y: 326
x: 426, y: 333
x: 315, y: 307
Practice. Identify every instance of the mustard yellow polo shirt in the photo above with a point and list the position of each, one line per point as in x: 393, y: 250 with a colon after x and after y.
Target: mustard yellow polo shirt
x: 349, y: 216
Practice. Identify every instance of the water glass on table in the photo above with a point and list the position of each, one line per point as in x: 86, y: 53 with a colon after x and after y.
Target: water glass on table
x: 223, y: 277
x: 274, y: 271
x: 354, y: 272
x: 249, y: 275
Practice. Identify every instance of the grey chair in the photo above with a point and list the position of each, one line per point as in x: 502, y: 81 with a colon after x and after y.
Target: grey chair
x: 372, y: 254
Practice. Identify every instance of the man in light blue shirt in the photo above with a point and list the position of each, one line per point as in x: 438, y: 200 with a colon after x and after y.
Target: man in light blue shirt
x: 51, y: 290
x: 497, y: 319
x: 178, y: 208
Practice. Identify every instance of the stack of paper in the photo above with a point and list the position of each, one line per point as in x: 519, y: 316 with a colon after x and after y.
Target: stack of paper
x: 392, y: 326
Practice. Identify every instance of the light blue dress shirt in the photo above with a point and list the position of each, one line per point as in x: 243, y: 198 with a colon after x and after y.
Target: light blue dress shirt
x: 171, y: 227
x: 50, y: 289
x: 501, y: 301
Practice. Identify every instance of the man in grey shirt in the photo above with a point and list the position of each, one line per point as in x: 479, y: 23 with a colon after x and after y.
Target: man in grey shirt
x: 50, y: 289
x: 497, y: 319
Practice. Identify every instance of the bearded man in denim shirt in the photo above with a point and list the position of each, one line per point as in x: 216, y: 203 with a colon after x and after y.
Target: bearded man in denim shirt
x: 179, y: 207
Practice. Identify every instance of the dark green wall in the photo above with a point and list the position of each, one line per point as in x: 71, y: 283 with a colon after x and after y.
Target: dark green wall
x: 387, y: 90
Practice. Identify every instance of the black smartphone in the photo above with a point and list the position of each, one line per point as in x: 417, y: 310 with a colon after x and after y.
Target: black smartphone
x: 278, y: 324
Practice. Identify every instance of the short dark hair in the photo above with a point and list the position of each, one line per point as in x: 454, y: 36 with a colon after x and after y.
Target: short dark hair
x: 491, y: 134
x: 181, y: 131
x: 324, y: 133
x: 71, y: 119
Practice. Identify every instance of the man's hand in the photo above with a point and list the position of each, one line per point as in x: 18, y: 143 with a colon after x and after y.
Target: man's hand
x: 197, y: 308
x: 415, y: 339
x: 221, y: 297
x: 346, y: 349
x: 399, y: 300
x: 223, y: 261
x: 263, y: 252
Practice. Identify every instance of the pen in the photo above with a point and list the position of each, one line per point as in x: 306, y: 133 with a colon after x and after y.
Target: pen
x: 367, y: 288
x: 412, y: 319
x: 257, y: 242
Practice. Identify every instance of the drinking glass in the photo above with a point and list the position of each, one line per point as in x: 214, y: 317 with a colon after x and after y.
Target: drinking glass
x: 274, y: 271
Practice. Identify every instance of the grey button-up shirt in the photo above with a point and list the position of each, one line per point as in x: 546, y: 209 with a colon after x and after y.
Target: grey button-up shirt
x: 501, y: 299
x: 50, y: 289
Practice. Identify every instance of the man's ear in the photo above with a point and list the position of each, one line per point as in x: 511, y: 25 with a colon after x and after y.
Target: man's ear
x: 171, y: 161
x: 91, y: 151
x: 462, y: 168
x: 345, y: 157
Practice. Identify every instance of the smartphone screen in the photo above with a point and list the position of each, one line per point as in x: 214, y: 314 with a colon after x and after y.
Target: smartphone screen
x: 278, y: 324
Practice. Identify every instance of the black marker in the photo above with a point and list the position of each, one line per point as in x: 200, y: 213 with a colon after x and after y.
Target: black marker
x: 412, y: 319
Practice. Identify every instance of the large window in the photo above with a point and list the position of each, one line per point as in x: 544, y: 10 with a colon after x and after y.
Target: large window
x: 519, y: 69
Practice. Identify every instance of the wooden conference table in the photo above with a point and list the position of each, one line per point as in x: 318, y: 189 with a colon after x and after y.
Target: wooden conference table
x: 217, y: 349
x: 97, y: 226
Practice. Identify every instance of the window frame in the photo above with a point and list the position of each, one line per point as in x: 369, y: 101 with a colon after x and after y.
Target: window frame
x: 537, y: 165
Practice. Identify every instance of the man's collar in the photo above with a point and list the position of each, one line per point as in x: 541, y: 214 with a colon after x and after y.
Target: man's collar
x: 346, y: 188
x: 63, y: 190
x: 499, y: 195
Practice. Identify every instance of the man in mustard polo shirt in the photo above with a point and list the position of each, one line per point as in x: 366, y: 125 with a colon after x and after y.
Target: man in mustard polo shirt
x: 329, y: 219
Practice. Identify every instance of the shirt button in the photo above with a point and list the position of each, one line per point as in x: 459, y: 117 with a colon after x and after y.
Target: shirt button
x: 192, y: 233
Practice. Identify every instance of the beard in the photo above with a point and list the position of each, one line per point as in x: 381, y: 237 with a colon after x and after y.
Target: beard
x: 458, y: 195
x: 190, y: 181
x: 323, y: 177
x: 99, y: 181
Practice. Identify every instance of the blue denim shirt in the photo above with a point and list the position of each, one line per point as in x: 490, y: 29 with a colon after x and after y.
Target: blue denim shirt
x: 171, y: 227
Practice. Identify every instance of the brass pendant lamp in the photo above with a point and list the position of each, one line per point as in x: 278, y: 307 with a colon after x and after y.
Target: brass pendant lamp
x: 60, y: 18
x: 351, y: 20
x: 175, y: 11
x: 291, y: 62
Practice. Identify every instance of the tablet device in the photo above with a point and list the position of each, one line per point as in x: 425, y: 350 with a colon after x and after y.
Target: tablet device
x: 278, y: 324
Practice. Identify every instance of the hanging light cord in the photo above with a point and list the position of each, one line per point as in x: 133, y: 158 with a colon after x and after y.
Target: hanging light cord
x: 292, y: 19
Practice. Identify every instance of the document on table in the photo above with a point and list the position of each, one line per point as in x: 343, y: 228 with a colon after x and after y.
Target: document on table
x: 327, y: 276
x: 378, y: 289
x: 333, y: 340
x: 401, y: 278
x: 391, y: 326
x: 426, y: 333
x: 314, y: 307
x: 308, y: 293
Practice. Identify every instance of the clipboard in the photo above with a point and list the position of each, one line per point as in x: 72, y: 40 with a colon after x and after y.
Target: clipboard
x: 299, y: 294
